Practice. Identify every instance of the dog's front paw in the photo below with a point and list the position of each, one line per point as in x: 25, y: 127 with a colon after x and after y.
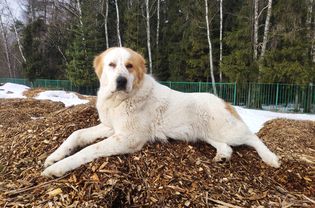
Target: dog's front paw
x: 52, y: 159
x: 54, y: 170
x: 221, y: 158
x: 273, y: 160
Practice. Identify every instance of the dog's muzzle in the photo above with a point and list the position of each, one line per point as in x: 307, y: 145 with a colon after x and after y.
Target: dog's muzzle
x: 121, y: 83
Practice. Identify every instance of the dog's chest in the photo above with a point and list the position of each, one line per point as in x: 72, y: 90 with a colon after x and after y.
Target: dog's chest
x: 118, y: 115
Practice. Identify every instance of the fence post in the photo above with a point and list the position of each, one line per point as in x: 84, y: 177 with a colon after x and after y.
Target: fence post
x: 234, y: 95
x: 277, y: 96
x: 199, y: 86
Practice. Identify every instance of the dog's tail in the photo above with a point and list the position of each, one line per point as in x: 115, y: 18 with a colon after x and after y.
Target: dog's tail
x: 266, y: 155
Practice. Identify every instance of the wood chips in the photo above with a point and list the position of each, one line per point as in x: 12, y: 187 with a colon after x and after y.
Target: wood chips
x: 174, y: 174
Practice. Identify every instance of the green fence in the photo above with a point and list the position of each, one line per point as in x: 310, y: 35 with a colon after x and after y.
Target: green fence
x: 53, y: 84
x: 276, y: 97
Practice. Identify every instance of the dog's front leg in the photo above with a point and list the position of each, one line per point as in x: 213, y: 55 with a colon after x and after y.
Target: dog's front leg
x: 114, y: 145
x: 79, y: 138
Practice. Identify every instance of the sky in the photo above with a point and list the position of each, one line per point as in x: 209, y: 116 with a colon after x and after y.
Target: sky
x: 16, y: 7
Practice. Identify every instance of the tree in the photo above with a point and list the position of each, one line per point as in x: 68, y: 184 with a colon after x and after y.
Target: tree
x: 80, y: 54
x: 246, y: 40
x: 210, y: 49
x: 266, y: 30
x: 147, y: 19
x: 6, y: 46
x: 311, y: 27
x: 288, y: 59
x: 238, y: 63
x: 256, y: 19
x: 158, y: 24
x: 221, y: 37
x: 15, y: 31
x: 117, y: 24
x: 105, y: 16
x: 34, y: 46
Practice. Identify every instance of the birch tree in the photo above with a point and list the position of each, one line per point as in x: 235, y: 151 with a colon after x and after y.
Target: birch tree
x: 148, y: 33
x: 266, y: 29
x: 81, y: 24
x: 309, y: 14
x: 80, y: 17
x: 210, y: 50
x: 117, y: 24
x: 256, y: 18
x: 105, y: 16
x: 157, y: 23
x: 310, y: 27
x: 6, y: 46
x: 15, y: 31
x: 105, y: 23
x: 221, y: 36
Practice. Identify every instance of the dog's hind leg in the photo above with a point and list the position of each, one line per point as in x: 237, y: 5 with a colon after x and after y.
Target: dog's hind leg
x: 79, y: 138
x: 266, y: 155
x: 224, y: 151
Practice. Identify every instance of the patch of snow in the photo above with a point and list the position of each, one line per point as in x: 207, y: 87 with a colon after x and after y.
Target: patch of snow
x: 11, y: 90
x: 68, y: 98
x: 255, y: 119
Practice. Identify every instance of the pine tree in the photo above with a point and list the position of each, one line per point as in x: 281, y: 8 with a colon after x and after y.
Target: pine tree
x: 86, y: 42
x: 238, y: 64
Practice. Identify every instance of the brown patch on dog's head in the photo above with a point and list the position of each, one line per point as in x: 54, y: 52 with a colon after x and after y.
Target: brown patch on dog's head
x: 137, y: 66
x: 98, y: 63
x: 231, y: 109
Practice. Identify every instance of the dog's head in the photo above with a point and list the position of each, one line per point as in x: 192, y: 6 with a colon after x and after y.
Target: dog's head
x: 120, y: 69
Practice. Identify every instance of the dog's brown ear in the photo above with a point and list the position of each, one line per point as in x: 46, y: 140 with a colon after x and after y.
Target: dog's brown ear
x: 139, y: 66
x: 98, y: 65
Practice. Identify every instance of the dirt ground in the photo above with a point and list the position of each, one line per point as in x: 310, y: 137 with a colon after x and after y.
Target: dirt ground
x: 174, y: 174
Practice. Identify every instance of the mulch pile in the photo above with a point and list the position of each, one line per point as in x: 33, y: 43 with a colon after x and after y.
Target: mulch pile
x: 174, y: 174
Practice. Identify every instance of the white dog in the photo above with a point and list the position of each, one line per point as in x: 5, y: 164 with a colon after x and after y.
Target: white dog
x: 134, y: 109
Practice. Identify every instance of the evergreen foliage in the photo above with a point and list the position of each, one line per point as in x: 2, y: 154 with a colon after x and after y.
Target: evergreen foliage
x: 61, y: 47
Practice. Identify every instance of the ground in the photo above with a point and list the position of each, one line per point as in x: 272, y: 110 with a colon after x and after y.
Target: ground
x: 174, y: 174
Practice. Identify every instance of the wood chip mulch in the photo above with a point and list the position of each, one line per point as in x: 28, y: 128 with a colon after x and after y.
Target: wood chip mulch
x: 173, y: 174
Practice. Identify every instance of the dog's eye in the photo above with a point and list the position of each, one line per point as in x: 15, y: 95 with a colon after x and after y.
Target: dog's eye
x: 129, y: 66
x: 112, y: 65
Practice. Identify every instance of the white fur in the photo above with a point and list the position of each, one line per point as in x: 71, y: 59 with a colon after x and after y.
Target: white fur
x: 132, y: 118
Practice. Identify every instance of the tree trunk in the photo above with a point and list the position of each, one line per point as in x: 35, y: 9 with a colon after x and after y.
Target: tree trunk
x: 266, y: 30
x: 158, y: 23
x: 311, y: 27
x: 81, y: 24
x: 210, y: 50
x: 31, y: 3
x: 256, y: 2
x: 117, y: 24
x: 309, y: 14
x: 105, y: 23
x: 6, y: 46
x: 148, y: 34
x: 15, y: 31
x: 221, y: 36
x: 313, y: 44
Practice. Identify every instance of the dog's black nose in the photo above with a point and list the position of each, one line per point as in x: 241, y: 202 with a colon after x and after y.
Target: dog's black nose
x: 121, y: 83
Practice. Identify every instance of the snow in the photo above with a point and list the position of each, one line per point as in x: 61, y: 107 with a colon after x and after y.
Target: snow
x: 68, y: 98
x: 255, y: 119
x: 10, y: 90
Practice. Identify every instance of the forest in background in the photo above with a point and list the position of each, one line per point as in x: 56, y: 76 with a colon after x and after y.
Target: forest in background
x: 182, y: 40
